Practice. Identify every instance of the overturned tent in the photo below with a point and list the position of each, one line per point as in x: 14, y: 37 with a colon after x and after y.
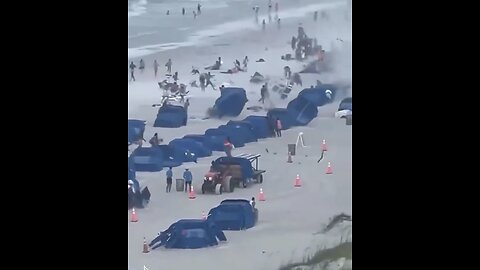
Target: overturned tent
x: 285, y: 116
x: 189, y: 234
x: 320, y: 95
x: 136, y: 128
x: 230, y: 103
x: 245, y: 128
x: 193, y: 146
x: 345, y: 104
x: 234, y: 215
x: 225, y: 133
x: 260, y: 124
x: 147, y: 159
x: 175, y: 156
x: 302, y: 111
x: 171, y: 116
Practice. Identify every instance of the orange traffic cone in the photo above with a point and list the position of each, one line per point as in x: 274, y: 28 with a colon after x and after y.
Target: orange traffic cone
x: 145, y: 246
x: 203, y: 215
x: 133, y: 217
x: 297, y: 181
x: 324, y: 145
x: 261, y: 196
x: 191, y: 193
x: 329, y: 169
x: 289, y: 160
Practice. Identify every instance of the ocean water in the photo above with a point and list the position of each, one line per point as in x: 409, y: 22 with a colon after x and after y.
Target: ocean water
x: 150, y: 30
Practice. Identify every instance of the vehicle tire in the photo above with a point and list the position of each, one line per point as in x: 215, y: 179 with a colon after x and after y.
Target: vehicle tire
x: 227, y: 184
x: 218, y: 189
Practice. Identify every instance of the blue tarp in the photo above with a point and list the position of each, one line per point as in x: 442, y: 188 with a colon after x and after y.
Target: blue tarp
x: 189, y: 234
x: 302, y: 111
x: 231, y: 102
x: 193, y: 146
x: 285, y: 116
x: 135, y: 130
x: 245, y: 165
x: 260, y: 125
x: 345, y: 104
x: 245, y: 128
x: 147, y: 159
x: 233, y: 215
x: 319, y: 96
x: 171, y: 116
x: 174, y: 156
x: 236, y: 139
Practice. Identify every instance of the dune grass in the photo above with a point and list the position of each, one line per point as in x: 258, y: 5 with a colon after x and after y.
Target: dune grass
x: 324, y: 255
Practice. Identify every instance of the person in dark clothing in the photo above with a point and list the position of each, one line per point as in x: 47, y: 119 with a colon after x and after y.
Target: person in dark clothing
x: 199, y: 8
x: 169, y: 65
x: 169, y: 180
x: 183, y: 11
x: 287, y: 72
x: 245, y: 62
x: 263, y: 24
x: 132, y: 71
x: 168, y: 12
x: 175, y: 76
x: 187, y: 176
x: 294, y: 43
x: 209, y: 82
x: 154, y: 141
x: 263, y: 93
x: 252, y: 202
x: 155, y: 67
x: 202, y: 81
x: 142, y: 66
x: 278, y: 127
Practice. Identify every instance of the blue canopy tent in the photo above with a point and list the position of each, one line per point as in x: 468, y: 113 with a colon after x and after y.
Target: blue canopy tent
x: 234, y: 138
x: 175, y: 156
x: 245, y: 128
x: 345, y: 104
x: 193, y: 146
x: 189, y: 234
x: 261, y: 126
x: 284, y: 115
x: 302, y: 111
x: 233, y: 215
x: 171, y: 116
x: 231, y: 102
x: 237, y: 133
x: 320, y: 95
x: 136, y: 128
x: 201, y: 138
x: 147, y: 159
x: 215, y: 142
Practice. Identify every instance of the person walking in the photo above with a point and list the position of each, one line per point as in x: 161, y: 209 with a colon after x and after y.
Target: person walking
x: 187, y: 176
x: 278, y: 127
x: 132, y: 71
x: 169, y: 180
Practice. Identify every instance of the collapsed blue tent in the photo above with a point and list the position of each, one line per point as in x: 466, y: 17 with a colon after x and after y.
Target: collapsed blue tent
x: 231, y: 102
x: 174, y: 156
x: 224, y: 132
x: 245, y: 128
x: 171, y: 116
x: 147, y: 159
x: 136, y: 128
x: 234, y: 215
x: 193, y: 146
x: 320, y: 95
x: 345, y: 104
x: 284, y: 115
x: 260, y: 124
x: 189, y: 234
x: 302, y: 111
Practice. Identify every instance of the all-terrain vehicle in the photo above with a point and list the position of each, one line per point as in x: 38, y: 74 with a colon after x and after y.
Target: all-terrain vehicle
x: 226, y: 173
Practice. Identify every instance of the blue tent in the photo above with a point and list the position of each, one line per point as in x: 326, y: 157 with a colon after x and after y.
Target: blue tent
x: 135, y: 130
x: 233, y: 215
x: 231, y: 102
x: 261, y: 125
x: 147, y: 159
x: 237, y: 134
x: 174, y: 156
x: 345, y: 104
x: 320, y: 95
x: 193, y: 146
x: 234, y: 138
x: 171, y: 116
x: 285, y: 116
x: 215, y: 142
x: 302, y: 110
x: 189, y: 234
x: 245, y: 128
x: 202, y: 139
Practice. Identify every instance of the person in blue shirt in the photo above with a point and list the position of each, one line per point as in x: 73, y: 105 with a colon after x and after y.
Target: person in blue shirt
x: 187, y: 176
x: 169, y: 179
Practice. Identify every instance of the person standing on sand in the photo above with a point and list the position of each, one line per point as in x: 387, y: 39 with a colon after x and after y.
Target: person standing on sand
x: 278, y: 23
x: 263, y: 24
x: 278, y: 127
x: 183, y: 11
x: 169, y: 66
x: 168, y: 12
x: 228, y: 146
x: 169, y: 179
x: 155, y: 67
x: 199, y: 7
x: 187, y: 176
x: 245, y: 62
x: 175, y: 76
x: 132, y: 71
x: 142, y: 66
x: 209, y: 82
x: 294, y: 43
